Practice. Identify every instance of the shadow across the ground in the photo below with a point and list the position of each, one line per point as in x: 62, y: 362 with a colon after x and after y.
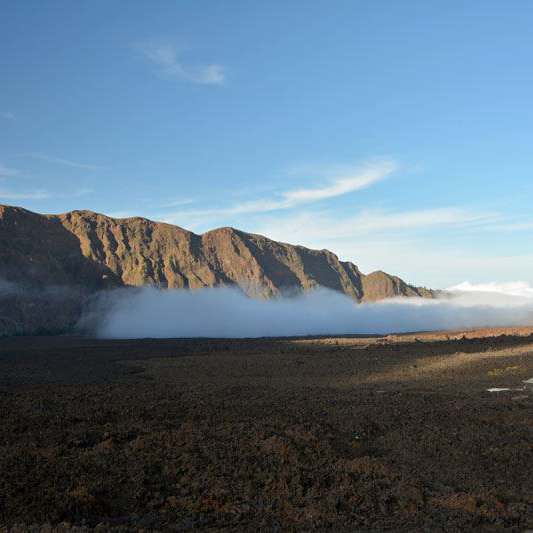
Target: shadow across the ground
x: 73, y: 359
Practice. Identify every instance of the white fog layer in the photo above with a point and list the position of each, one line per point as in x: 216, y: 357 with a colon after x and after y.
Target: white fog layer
x: 224, y: 312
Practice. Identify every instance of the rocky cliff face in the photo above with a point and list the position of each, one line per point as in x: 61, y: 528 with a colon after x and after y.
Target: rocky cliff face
x: 86, y: 252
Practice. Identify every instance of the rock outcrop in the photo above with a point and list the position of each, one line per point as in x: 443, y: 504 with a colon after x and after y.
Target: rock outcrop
x: 83, y: 252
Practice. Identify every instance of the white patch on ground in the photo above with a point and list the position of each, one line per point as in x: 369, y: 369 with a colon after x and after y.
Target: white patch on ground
x: 528, y: 383
x: 503, y: 389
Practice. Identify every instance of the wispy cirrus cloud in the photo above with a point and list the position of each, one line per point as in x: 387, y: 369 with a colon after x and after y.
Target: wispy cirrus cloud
x: 65, y: 162
x: 349, y: 181
x: 437, y: 245
x: 26, y: 195
x: 393, y: 240
x: 7, y: 172
x: 178, y: 202
x: 312, y: 226
x: 357, y: 179
x: 79, y: 192
x: 40, y: 194
x: 166, y: 58
x: 513, y: 225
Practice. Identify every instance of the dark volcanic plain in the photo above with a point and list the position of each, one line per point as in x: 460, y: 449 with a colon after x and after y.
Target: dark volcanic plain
x: 353, y: 434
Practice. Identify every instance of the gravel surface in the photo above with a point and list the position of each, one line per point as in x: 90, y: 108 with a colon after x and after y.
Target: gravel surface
x: 396, y: 433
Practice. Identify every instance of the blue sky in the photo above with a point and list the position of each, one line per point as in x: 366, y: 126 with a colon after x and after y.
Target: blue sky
x: 397, y: 134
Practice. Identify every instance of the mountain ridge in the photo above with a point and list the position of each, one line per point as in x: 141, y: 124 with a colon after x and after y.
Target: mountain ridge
x: 91, y: 251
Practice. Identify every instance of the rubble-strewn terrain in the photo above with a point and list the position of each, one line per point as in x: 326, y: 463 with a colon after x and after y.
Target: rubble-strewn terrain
x: 350, y: 434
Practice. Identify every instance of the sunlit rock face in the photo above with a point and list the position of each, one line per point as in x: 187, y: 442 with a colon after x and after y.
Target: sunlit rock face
x: 87, y: 252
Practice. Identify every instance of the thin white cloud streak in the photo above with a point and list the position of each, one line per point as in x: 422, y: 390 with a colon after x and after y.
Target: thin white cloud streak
x: 148, y: 312
x: 6, y: 172
x: 165, y: 56
x: 177, y: 202
x: 512, y: 226
x: 310, y: 227
x: 31, y: 195
x: 73, y: 194
x: 431, y: 247
x: 65, y: 162
x: 343, y: 184
x: 358, y: 179
x: 83, y: 192
x: 40, y: 194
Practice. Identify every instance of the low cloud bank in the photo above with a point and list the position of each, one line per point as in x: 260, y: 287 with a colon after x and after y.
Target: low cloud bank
x: 513, y: 288
x: 224, y: 312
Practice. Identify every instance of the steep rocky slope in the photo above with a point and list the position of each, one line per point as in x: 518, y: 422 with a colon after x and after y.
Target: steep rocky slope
x: 86, y: 251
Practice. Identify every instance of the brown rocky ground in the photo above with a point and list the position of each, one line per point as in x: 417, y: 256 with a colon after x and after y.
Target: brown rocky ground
x: 391, y: 433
